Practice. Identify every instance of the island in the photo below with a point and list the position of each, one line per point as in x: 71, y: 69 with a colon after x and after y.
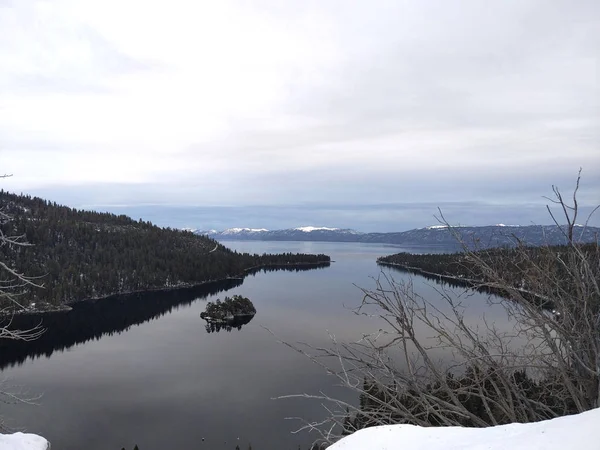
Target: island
x: 228, y: 310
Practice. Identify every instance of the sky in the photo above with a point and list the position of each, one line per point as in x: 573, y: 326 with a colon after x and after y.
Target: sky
x: 356, y: 114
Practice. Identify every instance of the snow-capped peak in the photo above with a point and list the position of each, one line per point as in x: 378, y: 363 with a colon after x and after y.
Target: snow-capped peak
x: 435, y: 227
x: 243, y: 230
x: 309, y: 229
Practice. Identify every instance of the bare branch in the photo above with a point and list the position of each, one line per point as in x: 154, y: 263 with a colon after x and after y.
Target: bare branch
x: 546, y: 365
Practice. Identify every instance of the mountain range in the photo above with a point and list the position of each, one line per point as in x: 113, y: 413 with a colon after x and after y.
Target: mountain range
x: 436, y: 235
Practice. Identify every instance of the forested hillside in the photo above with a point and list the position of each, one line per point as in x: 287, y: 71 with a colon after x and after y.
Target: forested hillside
x: 84, y: 254
x: 519, y: 267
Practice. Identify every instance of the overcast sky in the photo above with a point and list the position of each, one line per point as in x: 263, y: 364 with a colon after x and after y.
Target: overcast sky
x: 362, y: 114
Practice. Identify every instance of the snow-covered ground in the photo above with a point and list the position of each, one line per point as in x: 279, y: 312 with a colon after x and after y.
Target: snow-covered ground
x: 23, y: 441
x: 577, y: 432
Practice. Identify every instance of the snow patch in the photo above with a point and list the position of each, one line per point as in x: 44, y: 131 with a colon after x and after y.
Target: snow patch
x: 578, y: 431
x: 242, y: 230
x: 435, y: 227
x: 23, y: 441
x: 310, y: 229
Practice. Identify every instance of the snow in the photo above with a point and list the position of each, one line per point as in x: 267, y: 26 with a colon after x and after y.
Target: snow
x: 23, y: 441
x: 241, y: 230
x: 571, y: 432
x: 309, y: 229
x: 439, y: 227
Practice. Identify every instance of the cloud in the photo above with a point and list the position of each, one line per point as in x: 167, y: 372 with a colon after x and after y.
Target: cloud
x: 324, y: 103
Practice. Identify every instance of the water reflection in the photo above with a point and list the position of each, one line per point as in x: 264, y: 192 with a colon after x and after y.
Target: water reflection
x: 236, y: 322
x: 93, y: 319
x: 298, y: 268
x: 440, y: 279
x: 456, y: 283
x: 168, y: 383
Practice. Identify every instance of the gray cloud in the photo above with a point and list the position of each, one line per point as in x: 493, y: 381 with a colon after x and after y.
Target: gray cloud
x: 65, y: 56
x: 303, y: 113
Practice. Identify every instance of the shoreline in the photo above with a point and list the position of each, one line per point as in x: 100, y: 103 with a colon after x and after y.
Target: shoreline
x: 433, y: 274
x: 69, y: 306
x: 467, y: 282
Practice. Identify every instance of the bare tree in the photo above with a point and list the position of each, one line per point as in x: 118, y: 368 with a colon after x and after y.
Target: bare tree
x: 546, y: 365
x: 12, y: 285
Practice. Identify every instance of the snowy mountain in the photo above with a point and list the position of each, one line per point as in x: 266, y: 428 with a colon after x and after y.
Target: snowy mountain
x: 485, y: 236
x: 437, y: 235
x: 307, y: 233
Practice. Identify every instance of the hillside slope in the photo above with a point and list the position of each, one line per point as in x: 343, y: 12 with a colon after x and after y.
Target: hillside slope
x: 84, y: 254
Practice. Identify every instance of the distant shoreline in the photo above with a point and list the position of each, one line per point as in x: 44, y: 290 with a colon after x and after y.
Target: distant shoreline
x: 69, y: 306
x: 466, y: 282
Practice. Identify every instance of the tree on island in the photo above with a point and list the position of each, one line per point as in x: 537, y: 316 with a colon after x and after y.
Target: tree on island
x: 228, y: 309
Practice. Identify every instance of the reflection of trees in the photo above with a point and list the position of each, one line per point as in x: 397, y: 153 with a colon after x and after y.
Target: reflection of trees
x: 453, y: 282
x: 229, y: 325
x: 94, y: 319
x: 440, y: 279
x: 288, y: 268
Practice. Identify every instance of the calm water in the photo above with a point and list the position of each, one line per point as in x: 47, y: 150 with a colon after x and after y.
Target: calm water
x: 143, y: 370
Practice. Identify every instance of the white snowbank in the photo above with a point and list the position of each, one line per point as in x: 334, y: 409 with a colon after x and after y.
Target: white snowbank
x: 23, y: 441
x: 578, y: 432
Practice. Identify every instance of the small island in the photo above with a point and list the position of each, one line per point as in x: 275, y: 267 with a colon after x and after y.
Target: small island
x: 228, y: 310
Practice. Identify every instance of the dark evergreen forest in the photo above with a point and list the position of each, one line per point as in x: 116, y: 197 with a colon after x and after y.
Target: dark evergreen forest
x: 526, y: 269
x: 78, y: 255
x: 511, y: 263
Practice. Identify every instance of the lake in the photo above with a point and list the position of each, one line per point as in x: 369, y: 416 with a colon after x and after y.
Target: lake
x: 142, y: 369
